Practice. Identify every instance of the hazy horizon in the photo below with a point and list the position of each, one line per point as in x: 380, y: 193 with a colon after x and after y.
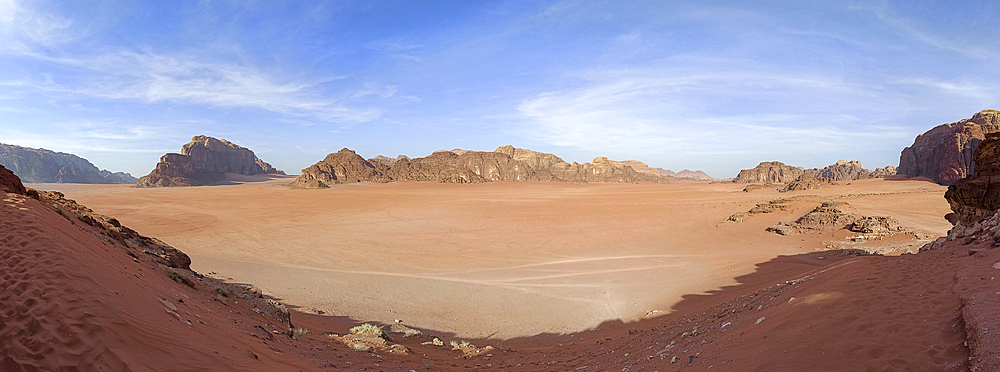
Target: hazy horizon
x: 713, y: 86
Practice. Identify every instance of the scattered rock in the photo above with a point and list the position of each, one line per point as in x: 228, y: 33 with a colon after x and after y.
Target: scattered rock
x: 876, y: 225
x: 780, y: 229
x: 828, y: 216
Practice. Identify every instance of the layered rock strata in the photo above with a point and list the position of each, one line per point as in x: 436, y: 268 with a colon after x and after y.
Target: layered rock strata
x: 945, y: 153
x: 204, y: 161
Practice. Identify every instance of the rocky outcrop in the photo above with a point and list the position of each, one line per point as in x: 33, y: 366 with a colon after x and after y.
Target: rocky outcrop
x: 852, y: 170
x: 9, y: 182
x: 204, y: 161
x: 944, y: 154
x: 828, y: 216
x: 974, y: 198
x: 769, y: 172
x: 46, y: 166
x: 805, y: 181
x: 463, y: 166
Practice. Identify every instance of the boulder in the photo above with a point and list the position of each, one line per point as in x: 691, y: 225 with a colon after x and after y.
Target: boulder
x: 9, y: 182
x: 204, y: 161
x: 944, y: 154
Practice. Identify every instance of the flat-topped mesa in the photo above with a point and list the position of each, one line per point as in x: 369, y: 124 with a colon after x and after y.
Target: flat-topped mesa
x: 976, y: 197
x: 507, y: 163
x: 944, y: 154
x: 769, y: 172
x: 204, y: 161
x: 845, y: 170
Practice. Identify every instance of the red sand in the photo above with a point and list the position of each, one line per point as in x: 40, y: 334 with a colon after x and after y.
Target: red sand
x: 70, y: 298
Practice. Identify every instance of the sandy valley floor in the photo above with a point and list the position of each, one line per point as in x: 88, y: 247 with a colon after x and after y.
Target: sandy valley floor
x: 490, y: 260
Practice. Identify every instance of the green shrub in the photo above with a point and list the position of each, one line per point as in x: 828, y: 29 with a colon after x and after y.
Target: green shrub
x: 367, y: 329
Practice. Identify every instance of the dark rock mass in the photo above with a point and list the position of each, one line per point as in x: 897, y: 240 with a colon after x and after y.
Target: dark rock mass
x: 46, y: 166
x: 9, y: 182
x: 204, y: 161
x: 944, y: 154
x: 507, y: 163
x: 978, y: 196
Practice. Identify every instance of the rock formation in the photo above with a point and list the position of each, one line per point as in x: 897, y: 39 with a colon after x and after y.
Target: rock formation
x: 9, y: 182
x: 944, y: 154
x: 46, y: 166
x: 507, y: 163
x: 805, y: 181
x: 974, y: 198
x: 204, y: 161
x: 769, y: 172
x: 845, y: 170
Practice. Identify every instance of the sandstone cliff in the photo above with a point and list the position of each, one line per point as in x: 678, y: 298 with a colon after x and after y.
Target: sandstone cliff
x: 974, y: 198
x: 769, y: 172
x: 507, y: 163
x: 46, y: 166
x: 693, y: 175
x: 203, y: 161
x: 944, y: 154
x: 9, y: 182
x: 845, y: 170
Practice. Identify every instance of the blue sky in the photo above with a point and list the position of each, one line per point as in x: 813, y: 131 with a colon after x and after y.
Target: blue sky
x: 710, y: 85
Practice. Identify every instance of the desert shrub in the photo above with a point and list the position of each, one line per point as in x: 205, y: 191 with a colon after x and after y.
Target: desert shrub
x: 179, y: 278
x: 437, y: 341
x: 359, y: 347
x: 368, y: 329
x: 222, y: 291
x: 298, y: 333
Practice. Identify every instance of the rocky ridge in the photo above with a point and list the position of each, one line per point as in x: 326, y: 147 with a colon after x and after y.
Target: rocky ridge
x: 944, y: 154
x: 507, y: 163
x: 844, y: 170
x: 46, y: 166
x: 203, y: 161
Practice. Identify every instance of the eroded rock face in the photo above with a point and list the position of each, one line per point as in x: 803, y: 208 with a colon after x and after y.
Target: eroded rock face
x: 944, y: 154
x: 203, y: 161
x: 45, y: 166
x: 769, y: 172
x: 463, y: 166
x: 974, y: 198
x: 9, y: 182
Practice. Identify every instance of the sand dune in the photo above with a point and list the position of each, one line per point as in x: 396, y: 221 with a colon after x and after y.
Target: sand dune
x: 490, y: 260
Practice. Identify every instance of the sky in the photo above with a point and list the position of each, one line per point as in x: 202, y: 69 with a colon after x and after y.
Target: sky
x: 712, y: 85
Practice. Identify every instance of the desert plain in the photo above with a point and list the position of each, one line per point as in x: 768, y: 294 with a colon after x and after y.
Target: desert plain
x: 502, y: 259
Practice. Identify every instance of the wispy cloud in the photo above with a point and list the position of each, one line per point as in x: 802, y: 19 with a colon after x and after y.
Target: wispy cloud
x: 147, y: 76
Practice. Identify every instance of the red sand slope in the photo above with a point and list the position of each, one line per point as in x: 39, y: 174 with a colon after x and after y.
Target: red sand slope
x: 72, y: 298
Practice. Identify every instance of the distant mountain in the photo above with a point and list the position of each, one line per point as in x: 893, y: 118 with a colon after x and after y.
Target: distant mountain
x: 47, y: 166
x: 845, y: 170
x: 203, y: 161
x: 507, y: 163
